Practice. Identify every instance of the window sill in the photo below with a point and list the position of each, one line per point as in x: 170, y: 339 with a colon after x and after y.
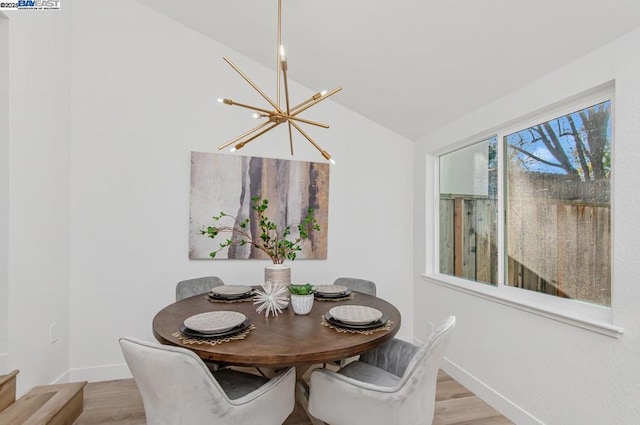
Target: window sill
x: 529, y: 303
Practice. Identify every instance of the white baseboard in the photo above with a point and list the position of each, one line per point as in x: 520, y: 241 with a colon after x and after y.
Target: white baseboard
x: 90, y: 374
x: 98, y: 373
x: 62, y: 379
x: 489, y: 395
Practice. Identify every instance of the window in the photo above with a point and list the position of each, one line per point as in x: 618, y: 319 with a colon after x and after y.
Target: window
x: 469, y: 212
x: 553, y: 184
x: 558, y: 210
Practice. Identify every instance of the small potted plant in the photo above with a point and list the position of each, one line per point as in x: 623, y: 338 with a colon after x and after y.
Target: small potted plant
x: 301, y: 298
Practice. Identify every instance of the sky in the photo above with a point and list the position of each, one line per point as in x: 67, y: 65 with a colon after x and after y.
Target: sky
x: 524, y: 140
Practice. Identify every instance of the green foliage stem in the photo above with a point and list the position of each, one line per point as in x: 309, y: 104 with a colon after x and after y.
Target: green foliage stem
x: 272, y: 241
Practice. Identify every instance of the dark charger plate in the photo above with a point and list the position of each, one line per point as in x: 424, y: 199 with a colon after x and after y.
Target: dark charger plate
x: 327, y: 295
x: 364, y: 326
x: 195, y: 334
x: 231, y: 297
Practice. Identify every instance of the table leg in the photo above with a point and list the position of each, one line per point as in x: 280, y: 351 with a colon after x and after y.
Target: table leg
x: 302, y: 394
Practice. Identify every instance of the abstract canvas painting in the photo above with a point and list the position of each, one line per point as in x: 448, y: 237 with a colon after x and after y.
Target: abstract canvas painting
x: 227, y: 183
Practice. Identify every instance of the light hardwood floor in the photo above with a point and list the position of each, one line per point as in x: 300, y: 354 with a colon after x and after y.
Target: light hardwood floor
x: 119, y: 403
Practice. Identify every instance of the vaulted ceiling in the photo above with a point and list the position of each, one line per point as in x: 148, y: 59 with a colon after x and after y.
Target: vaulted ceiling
x: 412, y: 65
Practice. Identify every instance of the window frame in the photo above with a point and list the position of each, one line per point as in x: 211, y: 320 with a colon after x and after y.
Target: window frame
x: 582, y: 314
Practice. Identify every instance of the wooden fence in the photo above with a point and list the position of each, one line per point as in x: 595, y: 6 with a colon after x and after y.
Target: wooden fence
x: 554, y: 246
x: 468, y: 246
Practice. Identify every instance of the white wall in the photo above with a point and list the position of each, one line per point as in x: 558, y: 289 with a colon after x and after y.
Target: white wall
x: 144, y: 92
x: 4, y: 190
x: 534, y: 369
x: 39, y: 194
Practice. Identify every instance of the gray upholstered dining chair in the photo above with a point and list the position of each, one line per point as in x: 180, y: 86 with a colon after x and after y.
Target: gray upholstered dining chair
x: 355, y: 284
x: 177, y: 388
x: 200, y: 285
x: 395, y: 383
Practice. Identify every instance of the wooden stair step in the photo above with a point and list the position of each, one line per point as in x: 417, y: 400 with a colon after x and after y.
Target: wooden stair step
x: 59, y: 404
x: 7, y: 389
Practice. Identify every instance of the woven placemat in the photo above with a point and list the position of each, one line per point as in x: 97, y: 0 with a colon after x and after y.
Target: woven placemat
x: 384, y: 327
x: 213, y: 341
x: 242, y: 300
x: 348, y: 297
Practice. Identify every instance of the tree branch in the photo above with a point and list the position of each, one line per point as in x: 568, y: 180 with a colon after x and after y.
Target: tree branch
x: 579, y: 148
x: 537, y: 158
x: 559, y: 152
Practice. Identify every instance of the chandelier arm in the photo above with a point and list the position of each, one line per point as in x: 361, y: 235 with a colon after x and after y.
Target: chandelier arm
x: 255, y: 136
x: 275, y: 114
x: 290, y: 117
x: 253, y: 130
x: 311, y: 99
x: 278, y: 44
x: 306, y: 136
x: 283, y: 63
x: 286, y: 84
x: 253, y: 108
x: 252, y: 84
x: 305, y: 102
x: 315, y: 101
x: 290, y: 137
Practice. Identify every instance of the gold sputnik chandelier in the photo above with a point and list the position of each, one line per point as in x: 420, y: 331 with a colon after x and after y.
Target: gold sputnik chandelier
x: 279, y: 114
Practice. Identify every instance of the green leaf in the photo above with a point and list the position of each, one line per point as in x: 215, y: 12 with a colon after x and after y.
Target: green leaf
x: 305, y: 289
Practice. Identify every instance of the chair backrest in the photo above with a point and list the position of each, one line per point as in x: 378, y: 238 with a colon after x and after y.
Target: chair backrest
x: 355, y: 284
x: 200, y: 285
x: 421, y: 374
x: 175, y: 385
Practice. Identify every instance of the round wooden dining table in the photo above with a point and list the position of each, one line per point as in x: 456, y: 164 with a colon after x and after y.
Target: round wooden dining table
x: 286, y: 340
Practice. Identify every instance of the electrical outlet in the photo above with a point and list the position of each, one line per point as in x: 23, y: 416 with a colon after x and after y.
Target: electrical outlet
x: 53, y: 333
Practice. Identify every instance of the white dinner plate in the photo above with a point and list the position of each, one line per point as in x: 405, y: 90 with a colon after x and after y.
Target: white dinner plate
x: 330, y: 289
x: 214, y: 321
x: 231, y: 290
x: 355, y: 314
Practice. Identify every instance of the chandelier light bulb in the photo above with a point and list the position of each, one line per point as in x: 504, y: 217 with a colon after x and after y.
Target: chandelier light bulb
x: 256, y: 115
x: 323, y: 92
x: 283, y: 56
x: 332, y: 161
x: 233, y: 149
x: 220, y: 100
